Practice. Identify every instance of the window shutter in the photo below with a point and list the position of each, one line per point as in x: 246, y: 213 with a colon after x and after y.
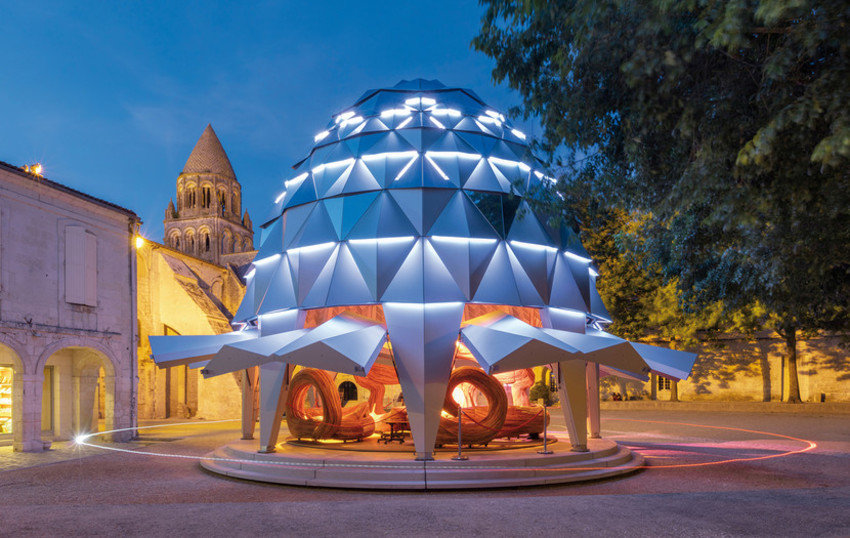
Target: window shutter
x: 75, y: 250
x: 91, y: 270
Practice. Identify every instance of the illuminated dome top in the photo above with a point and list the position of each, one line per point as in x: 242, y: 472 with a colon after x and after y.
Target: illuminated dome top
x: 417, y: 193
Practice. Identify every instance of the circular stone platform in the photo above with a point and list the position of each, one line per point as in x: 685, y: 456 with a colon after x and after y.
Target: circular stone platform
x: 296, y: 464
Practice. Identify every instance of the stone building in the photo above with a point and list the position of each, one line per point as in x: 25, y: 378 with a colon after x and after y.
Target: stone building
x: 205, y: 222
x: 193, y: 284
x: 67, y: 312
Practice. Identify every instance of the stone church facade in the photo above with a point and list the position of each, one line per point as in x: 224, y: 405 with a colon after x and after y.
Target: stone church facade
x: 193, y: 283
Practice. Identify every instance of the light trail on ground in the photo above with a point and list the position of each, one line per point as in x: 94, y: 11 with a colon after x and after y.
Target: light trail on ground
x: 82, y: 440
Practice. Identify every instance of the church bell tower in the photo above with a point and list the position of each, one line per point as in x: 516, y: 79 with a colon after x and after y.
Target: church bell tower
x: 206, y: 220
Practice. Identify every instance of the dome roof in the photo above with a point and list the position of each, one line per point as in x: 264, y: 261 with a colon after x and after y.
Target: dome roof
x: 417, y: 193
x: 209, y: 157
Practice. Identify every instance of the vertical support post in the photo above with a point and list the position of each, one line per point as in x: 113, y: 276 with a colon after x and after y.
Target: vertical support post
x: 593, y: 415
x: 460, y: 456
x: 274, y: 385
x: 545, y: 432
x: 573, y: 393
x: 423, y: 340
x: 248, y: 418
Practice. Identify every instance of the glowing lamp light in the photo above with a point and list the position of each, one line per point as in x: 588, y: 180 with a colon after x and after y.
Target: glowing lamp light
x: 34, y: 169
x: 321, y: 136
x: 140, y: 241
x: 81, y: 438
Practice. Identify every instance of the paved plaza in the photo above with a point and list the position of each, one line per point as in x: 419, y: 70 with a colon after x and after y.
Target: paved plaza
x: 765, y: 487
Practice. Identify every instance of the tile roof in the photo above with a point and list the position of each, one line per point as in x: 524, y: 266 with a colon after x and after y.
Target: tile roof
x: 209, y: 157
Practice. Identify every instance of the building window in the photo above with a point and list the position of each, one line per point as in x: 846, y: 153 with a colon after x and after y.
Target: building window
x: 190, y: 197
x: 205, y: 197
x: 206, y: 242
x: 234, y: 204
x: 663, y: 383
x: 80, y: 266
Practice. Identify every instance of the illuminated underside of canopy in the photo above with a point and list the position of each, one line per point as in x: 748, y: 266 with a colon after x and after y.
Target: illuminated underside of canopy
x: 417, y: 199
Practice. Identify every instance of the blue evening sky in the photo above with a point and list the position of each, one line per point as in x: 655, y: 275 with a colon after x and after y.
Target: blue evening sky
x: 111, y: 96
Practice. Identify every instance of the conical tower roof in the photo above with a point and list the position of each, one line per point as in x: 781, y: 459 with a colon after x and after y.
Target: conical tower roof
x: 209, y: 157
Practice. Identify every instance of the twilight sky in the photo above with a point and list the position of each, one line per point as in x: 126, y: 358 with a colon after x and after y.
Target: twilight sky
x: 111, y: 96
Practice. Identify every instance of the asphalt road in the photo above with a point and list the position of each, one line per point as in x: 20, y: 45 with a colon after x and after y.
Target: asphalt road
x: 684, y: 492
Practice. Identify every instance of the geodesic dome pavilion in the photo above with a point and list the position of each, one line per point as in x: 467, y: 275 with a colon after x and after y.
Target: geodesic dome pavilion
x: 407, y: 237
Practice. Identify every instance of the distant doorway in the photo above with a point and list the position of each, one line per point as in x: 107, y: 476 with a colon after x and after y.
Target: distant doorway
x: 347, y: 392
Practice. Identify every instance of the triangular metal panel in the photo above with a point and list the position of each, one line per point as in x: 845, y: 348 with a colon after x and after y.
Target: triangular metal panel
x: 374, y: 125
x: 334, y: 207
x: 498, y: 286
x: 365, y: 255
x: 433, y: 203
x: 527, y: 229
x: 304, y: 193
x: 353, y: 208
x: 533, y: 287
x: 439, y: 282
x: 392, y: 221
x: 247, y: 308
x: 597, y: 307
x: 454, y: 254
x: 409, y: 176
x: 565, y: 292
x: 413, y: 136
x: 281, y: 291
x: 581, y: 274
x: 310, y: 263
x: 452, y: 221
x: 390, y: 142
x: 483, y: 144
x: 480, y: 254
x: 348, y: 286
x: 410, y: 202
x: 318, y: 228
x: 449, y: 141
x: 407, y: 285
x: 484, y: 178
x: 317, y: 295
x: 360, y: 179
x: 391, y: 256
x: 272, y: 242
x: 263, y: 274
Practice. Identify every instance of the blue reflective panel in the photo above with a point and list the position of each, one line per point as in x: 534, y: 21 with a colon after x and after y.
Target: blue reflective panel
x: 354, y: 208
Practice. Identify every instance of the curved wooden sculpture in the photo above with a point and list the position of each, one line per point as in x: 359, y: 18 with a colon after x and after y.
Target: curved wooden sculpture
x: 478, y: 428
x: 379, y: 376
x: 520, y: 381
x: 329, y: 422
x: 300, y: 423
x: 522, y: 419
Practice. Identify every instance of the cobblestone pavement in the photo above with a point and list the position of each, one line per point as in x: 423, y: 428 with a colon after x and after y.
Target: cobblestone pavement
x: 136, y: 494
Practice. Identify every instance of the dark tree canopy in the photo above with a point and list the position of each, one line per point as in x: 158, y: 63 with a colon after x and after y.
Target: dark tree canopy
x: 727, y: 121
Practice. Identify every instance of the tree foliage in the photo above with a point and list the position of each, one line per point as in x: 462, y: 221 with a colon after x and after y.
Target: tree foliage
x: 729, y: 122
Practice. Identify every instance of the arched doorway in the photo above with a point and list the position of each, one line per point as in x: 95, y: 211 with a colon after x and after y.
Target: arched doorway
x: 347, y: 392
x: 79, y: 393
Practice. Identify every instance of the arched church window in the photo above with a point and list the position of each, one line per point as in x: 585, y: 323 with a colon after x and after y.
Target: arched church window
x: 222, y: 201
x: 234, y: 203
x: 205, y: 197
x: 206, y: 242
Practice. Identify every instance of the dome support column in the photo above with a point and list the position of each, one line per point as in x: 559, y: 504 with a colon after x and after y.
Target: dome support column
x: 274, y: 378
x: 423, y: 338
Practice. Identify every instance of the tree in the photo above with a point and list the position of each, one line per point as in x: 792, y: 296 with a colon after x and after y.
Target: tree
x: 729, y: 122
